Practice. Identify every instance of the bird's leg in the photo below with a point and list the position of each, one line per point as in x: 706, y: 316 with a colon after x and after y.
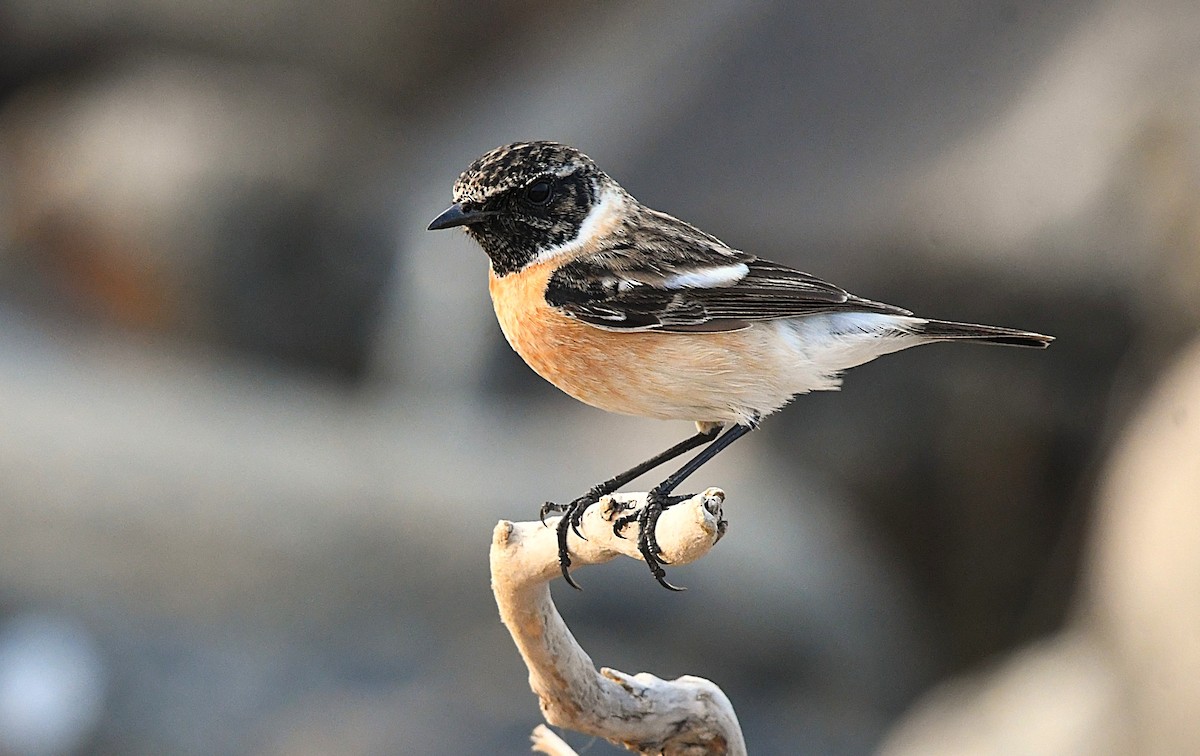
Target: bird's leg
x: 573, y: 512
x: 660, y: 498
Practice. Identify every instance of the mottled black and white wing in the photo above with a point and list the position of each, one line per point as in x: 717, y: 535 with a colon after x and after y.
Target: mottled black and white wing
x: 689, y: 284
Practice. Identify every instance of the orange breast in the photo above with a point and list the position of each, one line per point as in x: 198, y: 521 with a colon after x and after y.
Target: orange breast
x: 586, y: 362
x: 652, y: 374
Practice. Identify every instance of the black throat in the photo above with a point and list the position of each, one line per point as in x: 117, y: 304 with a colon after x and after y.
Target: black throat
x: 513, y: 238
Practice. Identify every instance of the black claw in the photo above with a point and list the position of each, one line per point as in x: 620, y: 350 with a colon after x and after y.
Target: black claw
x: 571, y: 582
x: 571, y: 520
x: 547, y: 508
x: 662, y: 581
x: 656, y: 569
x: 623, y: 522
x: 576, y: 518
x: 648, y: 544
x: 647, y: 520
x: 564, y: 555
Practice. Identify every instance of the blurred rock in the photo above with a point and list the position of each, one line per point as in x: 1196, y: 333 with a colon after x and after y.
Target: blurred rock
x: 1058, y: 698
x: 1125, y: 677
x: 379, y: 47
x: 1144, y: 569
x: 232, y: 203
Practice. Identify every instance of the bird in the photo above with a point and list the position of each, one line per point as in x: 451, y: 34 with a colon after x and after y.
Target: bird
x: 637, y: 312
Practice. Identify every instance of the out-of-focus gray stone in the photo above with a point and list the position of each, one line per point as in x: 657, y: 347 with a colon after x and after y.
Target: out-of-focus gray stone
x: 1144, y: 569
x: 1125, y: 677
x: 1060, y: 697
x: 231, y: 203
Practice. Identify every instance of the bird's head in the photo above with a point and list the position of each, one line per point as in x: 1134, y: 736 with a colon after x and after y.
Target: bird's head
x: 530, y: 201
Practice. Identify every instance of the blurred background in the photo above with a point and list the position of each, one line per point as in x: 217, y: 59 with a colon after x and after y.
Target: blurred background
x: 256, y: 425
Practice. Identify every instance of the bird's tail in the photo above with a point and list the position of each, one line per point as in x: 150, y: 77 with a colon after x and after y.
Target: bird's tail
x: 946, y: 330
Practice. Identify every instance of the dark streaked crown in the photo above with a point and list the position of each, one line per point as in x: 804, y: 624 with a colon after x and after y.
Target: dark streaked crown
x: 514, y: 165
x: 509, y: 185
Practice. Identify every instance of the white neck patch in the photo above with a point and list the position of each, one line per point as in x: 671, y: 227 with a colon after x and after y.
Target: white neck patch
x: 601, y: 219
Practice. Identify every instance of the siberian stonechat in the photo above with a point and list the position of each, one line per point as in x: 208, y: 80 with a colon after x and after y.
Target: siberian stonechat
x: 634, y: 311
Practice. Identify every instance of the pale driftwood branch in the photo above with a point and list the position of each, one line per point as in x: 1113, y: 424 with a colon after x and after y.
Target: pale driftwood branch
x: 547, y: 741
x: 643, y: 713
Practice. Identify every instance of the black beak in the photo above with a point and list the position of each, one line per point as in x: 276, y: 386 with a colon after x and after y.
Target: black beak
x: 457, y: 215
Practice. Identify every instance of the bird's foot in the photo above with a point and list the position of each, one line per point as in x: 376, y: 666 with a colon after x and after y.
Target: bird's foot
x: 647, y: 520
x: 572, y: 517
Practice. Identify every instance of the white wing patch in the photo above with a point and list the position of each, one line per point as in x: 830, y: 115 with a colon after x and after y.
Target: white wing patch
x: 707, y: 278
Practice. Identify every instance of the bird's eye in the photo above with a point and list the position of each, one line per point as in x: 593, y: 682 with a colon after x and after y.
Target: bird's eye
x: 540, y: 192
